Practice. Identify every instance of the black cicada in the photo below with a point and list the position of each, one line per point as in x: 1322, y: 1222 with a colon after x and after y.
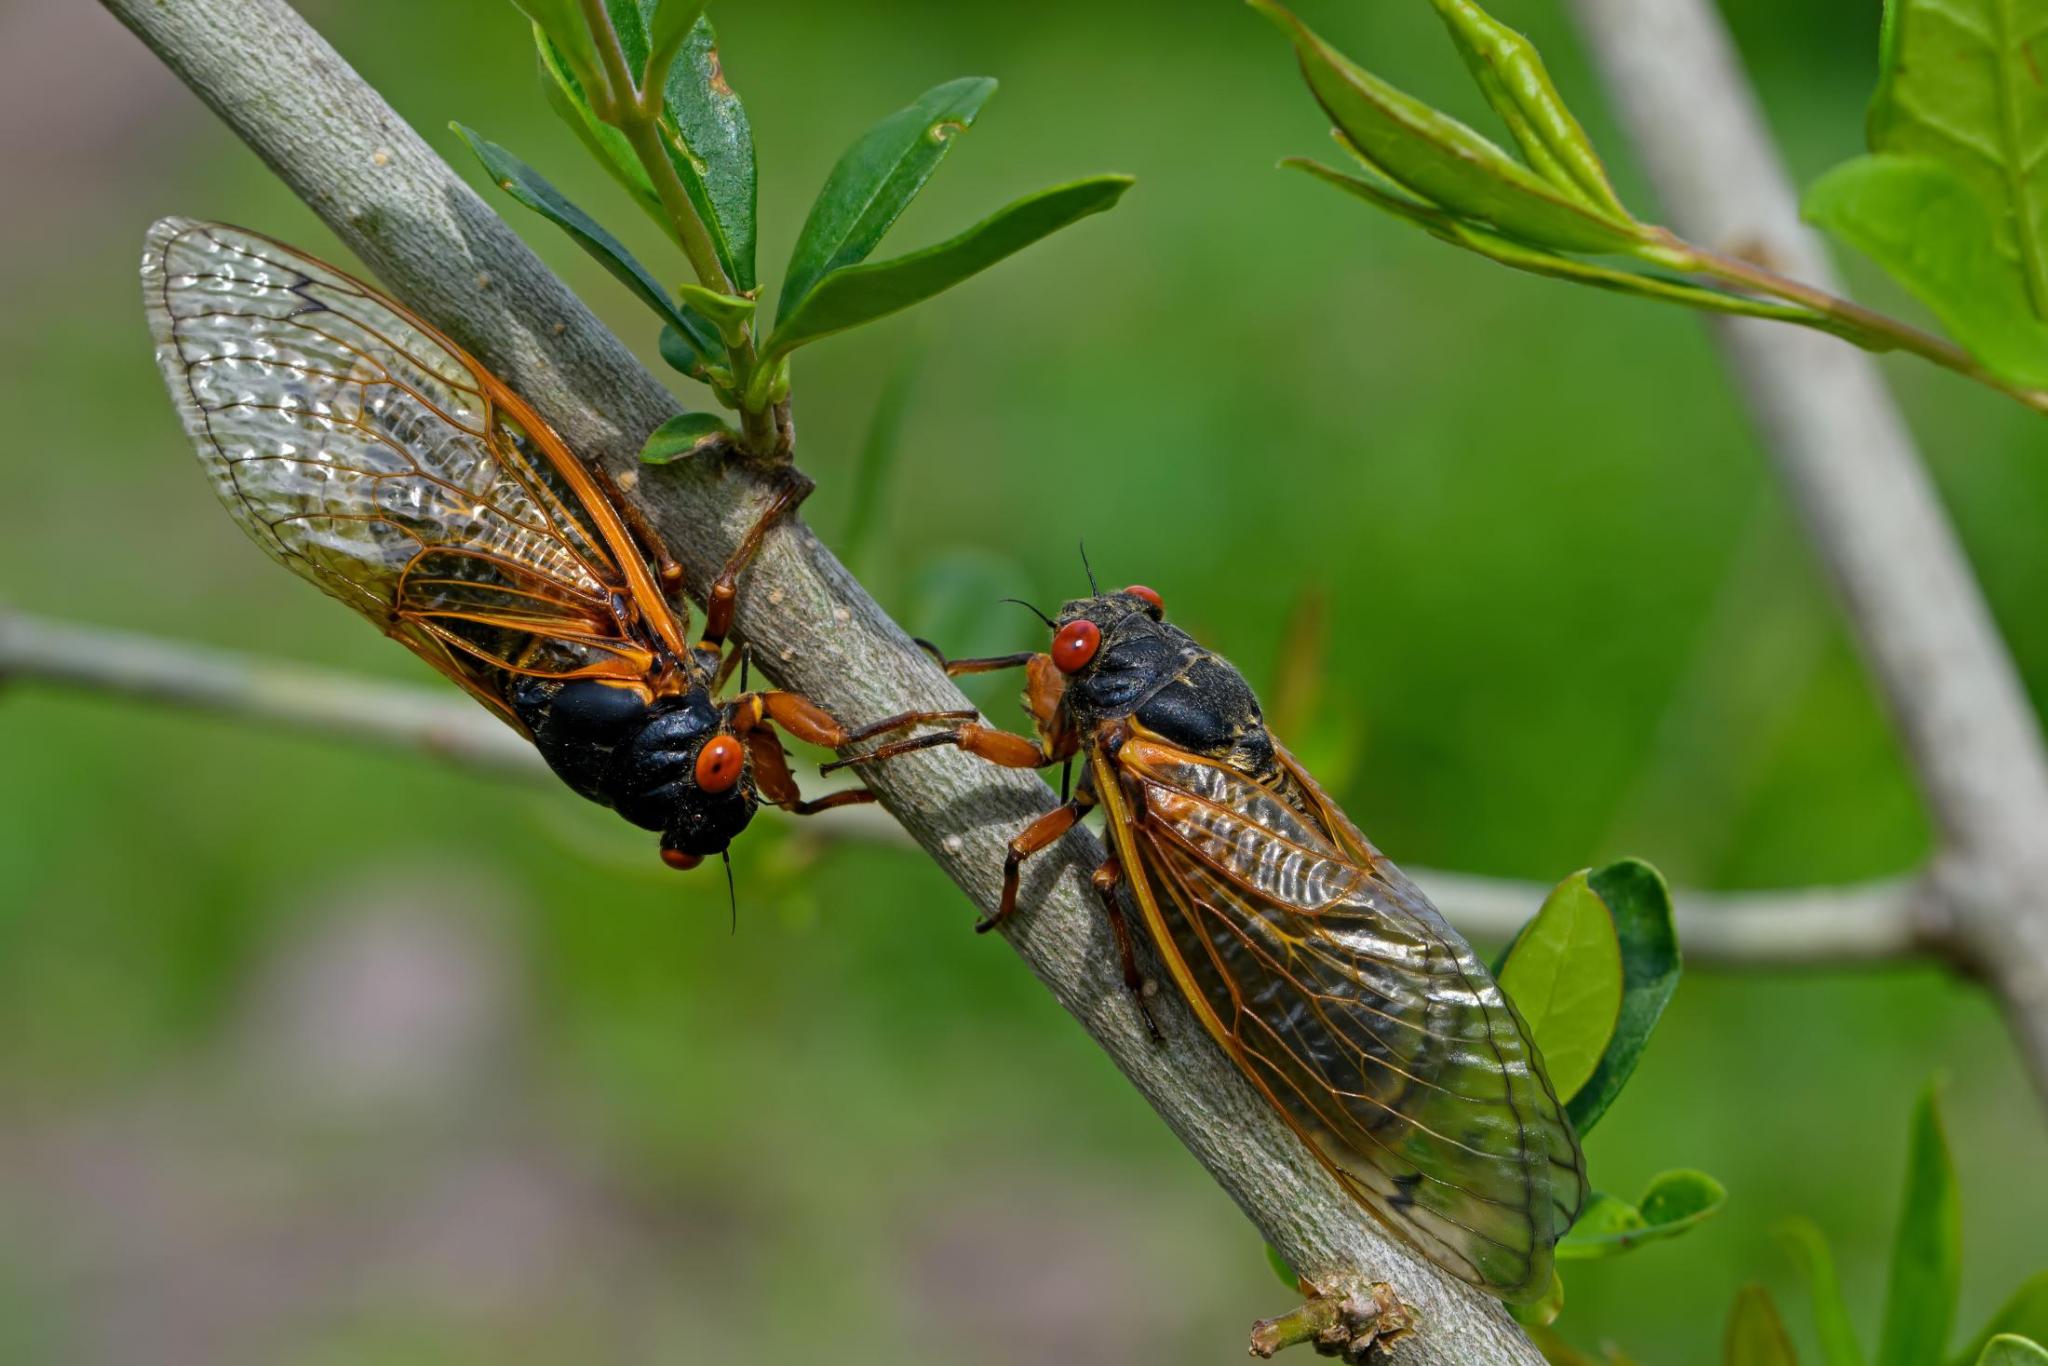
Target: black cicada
x: 1323, y: 973
x: 368, y: 453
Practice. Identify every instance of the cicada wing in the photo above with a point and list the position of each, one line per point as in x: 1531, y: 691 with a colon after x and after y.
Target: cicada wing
x: 369, y: 455
x: 1361, y: 1014
x: 1569, y: 1188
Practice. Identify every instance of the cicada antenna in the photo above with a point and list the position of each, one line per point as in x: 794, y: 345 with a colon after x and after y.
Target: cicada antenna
x: 1093, y: 591
x: 1050, y: 624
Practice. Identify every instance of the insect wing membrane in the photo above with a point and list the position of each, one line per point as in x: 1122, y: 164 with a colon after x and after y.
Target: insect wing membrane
x: 1362, y: 1015
x: 369, y: 456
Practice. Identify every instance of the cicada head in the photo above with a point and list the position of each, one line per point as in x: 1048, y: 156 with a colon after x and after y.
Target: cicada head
x: 687, y: 775
x: 1121, y: 658
x: 1115, y: 648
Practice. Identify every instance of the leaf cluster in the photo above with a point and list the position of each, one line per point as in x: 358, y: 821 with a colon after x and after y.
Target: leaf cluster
x: 1590, y: 975
x: 1953, y: 201
x: 1920, y: 1295
x: 642, y: 85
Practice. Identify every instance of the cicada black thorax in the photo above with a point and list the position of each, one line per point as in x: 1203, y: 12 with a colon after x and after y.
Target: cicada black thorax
x: 639, y: 757
x: 1160, y: 678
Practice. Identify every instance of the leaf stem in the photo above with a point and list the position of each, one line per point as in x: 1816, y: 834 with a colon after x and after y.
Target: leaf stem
x: 627, y: 108
x: 618, y: 81
x: 1309, y: 1322
x: 1865, y: 326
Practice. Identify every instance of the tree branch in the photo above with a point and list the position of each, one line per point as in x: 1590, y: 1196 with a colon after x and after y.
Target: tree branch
x: 1970, y: 734
x: 1818, y: 926
x: 293, y: 99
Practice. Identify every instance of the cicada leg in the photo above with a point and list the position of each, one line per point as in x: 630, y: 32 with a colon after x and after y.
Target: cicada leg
x: 756, y: 717
x: 1040, y: 834
x: 734, y: 659
x: 774, y: 781
x: 644, y: 535
x: 984, y: 742
x: 1106, y: 880
x: 1044, y: 684
x: 956, y: 667
x: 723, y: 594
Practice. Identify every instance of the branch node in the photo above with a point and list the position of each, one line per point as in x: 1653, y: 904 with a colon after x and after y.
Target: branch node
x: 1350, y: 1328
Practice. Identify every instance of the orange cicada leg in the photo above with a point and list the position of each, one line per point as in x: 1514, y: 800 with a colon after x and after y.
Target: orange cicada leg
x: 774, y: 781
x: 1106, y: 880
x: 1040, y: 834
x: 984, y: 742
x: 756, y: 716
x: 719, y: 600
x: 1044, y: 684
x: 992, y: 664
x: 649, y: 540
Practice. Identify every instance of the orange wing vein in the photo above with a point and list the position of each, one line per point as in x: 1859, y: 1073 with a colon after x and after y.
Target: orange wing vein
x: 1349, y: 1001
x: 370, y: 455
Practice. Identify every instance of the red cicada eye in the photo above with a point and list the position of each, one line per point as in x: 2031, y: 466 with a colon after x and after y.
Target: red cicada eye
x: 1075, y: 644
x: 1149, y: 596
x: 718, y: 764
x: 680, y: 861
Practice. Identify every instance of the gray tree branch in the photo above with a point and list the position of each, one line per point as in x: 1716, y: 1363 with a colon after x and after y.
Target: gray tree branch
x: 1816, y: 926
x: 287, y: 94
x: 1970, y: 734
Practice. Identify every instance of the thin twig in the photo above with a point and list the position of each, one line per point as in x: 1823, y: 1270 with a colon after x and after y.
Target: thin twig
x: 1971, y: 737
x: 637, y: 114
x: 1832, y: 926
x: 1847, y: 318
x: 812, y: 627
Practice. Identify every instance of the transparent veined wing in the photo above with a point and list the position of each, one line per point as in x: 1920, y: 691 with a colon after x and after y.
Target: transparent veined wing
x: 1366, y: 1020
x: 368, y: 454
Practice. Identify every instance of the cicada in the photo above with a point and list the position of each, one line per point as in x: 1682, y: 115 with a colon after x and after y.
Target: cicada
x: 1325, y: 974
x: 368, y: 453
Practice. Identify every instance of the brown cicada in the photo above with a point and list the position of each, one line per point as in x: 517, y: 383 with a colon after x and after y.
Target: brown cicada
x: 1323, y: 973
x: 369, y: 454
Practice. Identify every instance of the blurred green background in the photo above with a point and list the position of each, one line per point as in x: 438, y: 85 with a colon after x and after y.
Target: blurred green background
x: 321, y: 1055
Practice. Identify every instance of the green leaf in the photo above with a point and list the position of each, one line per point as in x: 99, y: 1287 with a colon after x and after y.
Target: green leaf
x: 1283, y: 1270
x: 1564, y: 976
x: 1544, y: 1309
x: 1510, y: 73
x: 704, y: 128
x: 1932, y: 231
x: 1756, y: 1335
x: 525, y: 184
x: 691, y: 352
x: 682, y: 436
x: 1444, y: 162
x: 1640, y: 905
x: 2026, y: 1314
x: 1674, y: 1202
x: 668, y: 27
x: 853, y: 295
x: 1604, y: 1217
x: 875, y: 181
x: 1537, y: 261
x: 728, y: 312
x: 1962, y: 84
x: 566, y: 96
x: 2012, y: 1350
x: 562, y: 22
x: 1920, y: 1299
x: 1831, y: 1316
